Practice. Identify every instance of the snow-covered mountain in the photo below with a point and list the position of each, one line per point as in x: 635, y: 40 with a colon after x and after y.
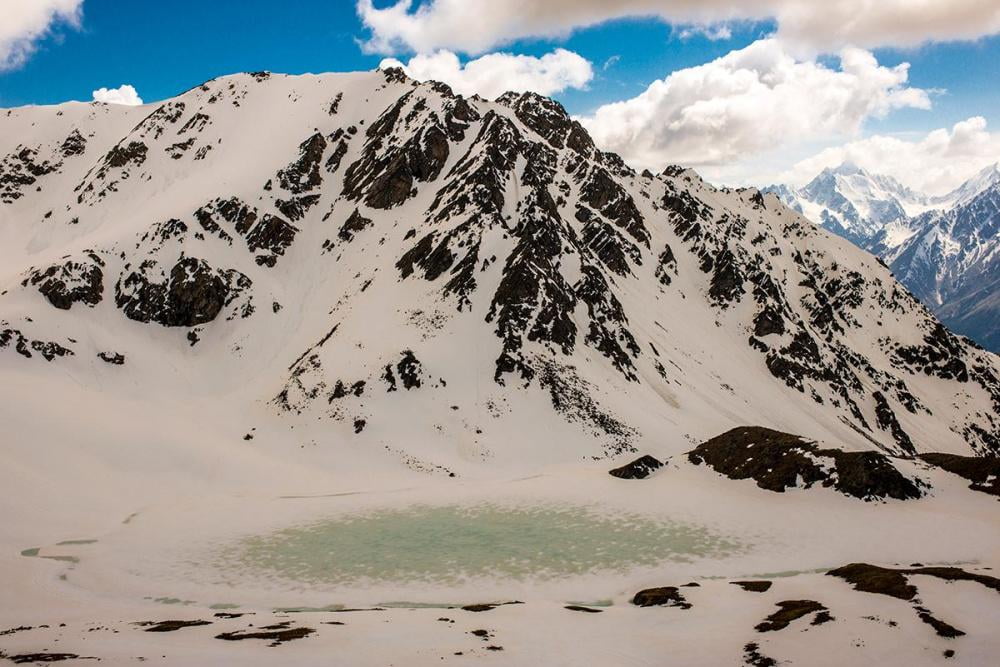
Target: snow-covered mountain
x: 939, y: 247
x: 391, y: 255
x: 276, y: 306
x: 853, y: 203
x: 952, y: 263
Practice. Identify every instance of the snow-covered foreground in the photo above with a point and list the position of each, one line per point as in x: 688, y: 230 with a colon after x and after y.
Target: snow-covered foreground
x: 279, y: 311
x: 138, y: 536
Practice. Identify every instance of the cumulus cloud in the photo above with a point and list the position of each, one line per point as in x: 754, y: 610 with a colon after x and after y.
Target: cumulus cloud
x: 496, y: 73
x: 750, y: 100
x: 935, y: 163
x: 124, y: 94
x: 474, y: 26
x: 24, y: 22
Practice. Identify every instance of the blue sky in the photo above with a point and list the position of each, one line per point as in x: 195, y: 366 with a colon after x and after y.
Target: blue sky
x: 164, y: 48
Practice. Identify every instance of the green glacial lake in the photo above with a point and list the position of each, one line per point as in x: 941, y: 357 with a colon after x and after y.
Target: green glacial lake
x: 449, y: 544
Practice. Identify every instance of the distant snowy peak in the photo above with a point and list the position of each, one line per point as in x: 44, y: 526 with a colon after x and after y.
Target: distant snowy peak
x: 982, y: 181
x: 875, y: 211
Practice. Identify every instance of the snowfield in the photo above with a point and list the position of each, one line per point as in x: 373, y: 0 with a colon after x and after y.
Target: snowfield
x: 234, y: 323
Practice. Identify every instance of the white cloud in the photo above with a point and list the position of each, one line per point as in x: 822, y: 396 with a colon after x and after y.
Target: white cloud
x: 24, y: 22
x: 716, y: 33
x: 124, y: 94
x: 935, y: 163
x: 496, y: 73
x: 748, y: 101
x: 474, y: 26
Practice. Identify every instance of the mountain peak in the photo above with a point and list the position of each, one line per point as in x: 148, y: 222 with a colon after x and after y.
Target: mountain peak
x: 401, y: 266
x: 847, y: 168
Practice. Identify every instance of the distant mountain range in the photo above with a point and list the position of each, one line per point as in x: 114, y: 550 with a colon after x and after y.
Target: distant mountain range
x: 944, y: 249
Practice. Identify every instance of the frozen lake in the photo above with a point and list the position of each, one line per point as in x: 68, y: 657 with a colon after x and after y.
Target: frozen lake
x: 451, y: 544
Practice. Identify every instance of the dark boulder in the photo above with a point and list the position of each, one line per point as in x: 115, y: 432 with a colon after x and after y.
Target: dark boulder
x: 664, y: 596
x: 641, y: 468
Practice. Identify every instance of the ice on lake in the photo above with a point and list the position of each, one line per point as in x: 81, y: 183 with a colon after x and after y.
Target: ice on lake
x: 450, y: 544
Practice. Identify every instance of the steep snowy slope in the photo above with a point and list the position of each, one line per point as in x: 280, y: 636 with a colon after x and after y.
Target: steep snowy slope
x: 952, y: 263
x: 450, y: 281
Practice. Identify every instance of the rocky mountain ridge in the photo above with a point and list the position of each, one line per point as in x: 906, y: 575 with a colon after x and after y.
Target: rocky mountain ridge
x: 451, y: 280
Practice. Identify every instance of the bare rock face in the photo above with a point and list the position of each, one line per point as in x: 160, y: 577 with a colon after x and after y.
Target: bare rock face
x: 641, y: 468
x: 27, y: 347
x: 73, y: 281
x: 390, y: 166
x: 193, y: 293
x: 74, y: 144
x: 21, y: 170
x: 303, y: 175
x: 779, y: 461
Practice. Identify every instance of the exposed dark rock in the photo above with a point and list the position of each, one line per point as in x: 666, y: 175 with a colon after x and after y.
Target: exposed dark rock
x: 608, y: 196
x: 193, y: 294
x: 753, y: 586
x: 727, y: 279
x: 641, y: 468
x: 239, y: 216
x: 113, y: 358
x: 354, y: 224
x: 666, y: 266
x: 665, y: 596
x: 777, y: 461
x: 35, y: 658
x: 753, y: 657
x: 121, y: 156
x: 386, y: 173
x: 788, y: 611
x: 822, y: 617
x: 171, y: 626
x: 272, y: 234
x: 488, y: 606
x: 410, y: 370
x: 73, y: 281
x: 588, y: 610
x: 295, y: 208
x: 895, y: 582
x: 887, y: 421
x: 767, y: 322
x: 394, y: 75
x: 74, y: 144
x: 25, y: 346
x: 940, y: 627
x: 195, y: 123
x: 177, y: 151
x: 942, y: 355
x: 983, y: 472
x: 545, y: 116
x: 20, y: 170
x: 276, y: 637
x: 303, y: 174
